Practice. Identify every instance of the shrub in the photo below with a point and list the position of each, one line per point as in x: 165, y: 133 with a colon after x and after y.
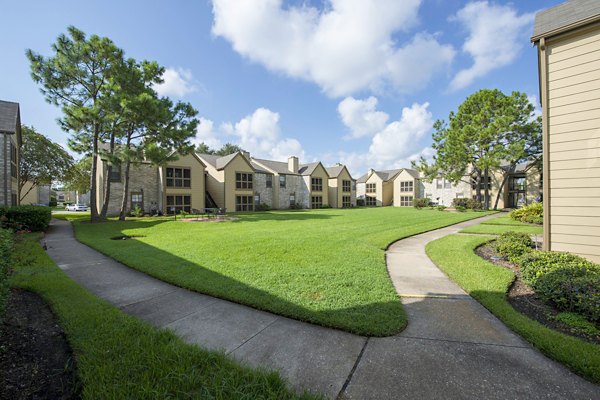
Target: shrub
x: 470, y: 204
x: 33, y: 218
x: 536, y: 264
x: 360, y: 202
x: 572, y: 289
x: 441, y: 208
x: 532, y: 213
x: 137, y: 211
x: 6, y: 244
x: 263, y: 207
x: 420, y: 203
x: 513, y: 245
x: 461, y: 208
x: 53, y: 202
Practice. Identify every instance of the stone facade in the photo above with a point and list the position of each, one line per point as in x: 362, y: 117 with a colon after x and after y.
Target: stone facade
x: 8, y: 183
x: 296, y: 186
x: 144, y: 179
x: 439, y: 192
x: 261, y: 189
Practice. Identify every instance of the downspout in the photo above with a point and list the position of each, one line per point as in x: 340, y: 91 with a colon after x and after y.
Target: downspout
x: 4, y: 136
x: 542, y: 63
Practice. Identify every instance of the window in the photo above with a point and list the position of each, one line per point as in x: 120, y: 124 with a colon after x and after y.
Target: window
x: 179, y: 203
x: 439, y: 183
x: 460, y: 195
x: 137, y: 200
x: 346, y: 202
x: 447, y: 184
x: 269, y: 181
x: 346, y: 186
x: 316, y: 184
x: 244, y: 203
x: 115, y: 173
x: 482, y: 184
x: 316, y: 201
x: 370, y: 201
x: 282, y: 180
x: 292, y: 200
x: 13, y: 162
x: 406, y: 201
x: 179, y: 177
x: 371, y: 188
x: 256, y: 201
x: 243, y: 180
x: 406, y: 186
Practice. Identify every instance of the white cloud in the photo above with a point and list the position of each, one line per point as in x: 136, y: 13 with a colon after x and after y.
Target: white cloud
x: 258, y: 133
x: 361, y: 117
x: 394, y: 144
x: 178, y: 82
x: 348, y: 46
x: 533, y: 99
x: 496, y: 36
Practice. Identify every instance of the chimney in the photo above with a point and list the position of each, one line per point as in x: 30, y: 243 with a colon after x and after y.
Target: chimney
x: 338, y: 164
x: 371, y: 170
x: 293, y: 164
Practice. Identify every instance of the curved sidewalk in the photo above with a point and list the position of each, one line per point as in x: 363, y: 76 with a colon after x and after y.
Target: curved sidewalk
x: 452, y: 348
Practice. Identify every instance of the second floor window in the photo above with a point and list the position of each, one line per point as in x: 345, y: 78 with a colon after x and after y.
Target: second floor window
x: 269, y: 181
x: 371, y: 187
x: 282, y: 180
x: 316, y: 184
x: 179, y: 177
x: 406, y: 186
x: 243, y: 180
x: 346, y: 186
x: 115, y: 173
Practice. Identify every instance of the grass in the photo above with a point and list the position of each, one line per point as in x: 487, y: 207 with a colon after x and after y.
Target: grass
x: 503, y: 224
x: 488, y: 284
x: 321, y: 266
x: 121, y: 357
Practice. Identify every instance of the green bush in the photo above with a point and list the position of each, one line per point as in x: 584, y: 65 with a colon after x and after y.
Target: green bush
x: 468, y: 204
x: 461, y: 208
x: 6, y: 245
x: 53, y: 202
x: 538, y: 263
x: 532, y: 213
x: 572, y: 289
x: 33, y: 218
x: 441, y: 208
x: 263, y: 207
x: 421, y: 203
x: 513, y: 245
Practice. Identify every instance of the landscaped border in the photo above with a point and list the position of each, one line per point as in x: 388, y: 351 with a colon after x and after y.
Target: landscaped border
x: 119, y: 356
x: 489, y: 283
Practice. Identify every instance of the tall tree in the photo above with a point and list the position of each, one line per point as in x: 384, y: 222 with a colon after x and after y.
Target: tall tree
x: 79, y: 77
x: 488, y: 130
x: 41, y: 161
x: 203, y: 148
x: 227, y: 149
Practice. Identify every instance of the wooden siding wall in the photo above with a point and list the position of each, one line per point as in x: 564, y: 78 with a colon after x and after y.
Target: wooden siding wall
x: 573, y: 142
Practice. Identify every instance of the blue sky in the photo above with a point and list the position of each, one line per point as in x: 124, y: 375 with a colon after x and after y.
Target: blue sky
x: 353, y: 81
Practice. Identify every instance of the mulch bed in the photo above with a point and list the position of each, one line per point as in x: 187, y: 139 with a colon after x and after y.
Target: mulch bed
x: 35, y: 357
x: 523, y: 299
x: 209, y: 219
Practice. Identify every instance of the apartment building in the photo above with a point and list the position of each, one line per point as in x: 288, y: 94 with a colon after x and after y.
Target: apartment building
x: 10, y: 144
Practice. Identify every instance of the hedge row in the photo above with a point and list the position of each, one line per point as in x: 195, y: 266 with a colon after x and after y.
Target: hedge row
x: 6, y: 244
x: 32, y: 218
x: 465, y: 203
x: 568, y: 281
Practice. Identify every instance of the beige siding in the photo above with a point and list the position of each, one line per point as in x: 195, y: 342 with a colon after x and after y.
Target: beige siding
x: 319, y: 172
x: 388, y: 193
x: 238, y: 164
x: 32, y: 197
x: 403, y: 177
x: 573, y: 142
x: 336, y: 187
x: 197, y: 189
x: 378, y: 189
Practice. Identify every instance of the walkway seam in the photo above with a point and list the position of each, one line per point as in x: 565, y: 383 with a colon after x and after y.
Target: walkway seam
x: 352, y: 371
x: 253, y: 336
x: 148, y: 299
x: 463, y: 342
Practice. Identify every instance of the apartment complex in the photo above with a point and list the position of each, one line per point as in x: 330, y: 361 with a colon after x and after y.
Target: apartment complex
x: 10, y: 144
x: 568, y: 46
x: 399, y: 187
x: 236, y: 182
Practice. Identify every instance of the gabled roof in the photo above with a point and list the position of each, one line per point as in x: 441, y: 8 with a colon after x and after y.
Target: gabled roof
x: 277, y: 167
x: 565, y: 16
x: 334, y: 171
x: 259, y: 168
x: 413, y: 173
x: 363, y: 178
x: 10, y: 118
x: 308, y: 169
x: 218, y: 162
x: 387, y: 174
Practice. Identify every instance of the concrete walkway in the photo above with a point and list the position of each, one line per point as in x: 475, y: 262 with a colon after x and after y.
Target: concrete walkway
x: 452, y: 348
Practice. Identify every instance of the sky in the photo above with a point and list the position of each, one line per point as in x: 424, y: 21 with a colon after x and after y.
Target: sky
x: 359, y: 82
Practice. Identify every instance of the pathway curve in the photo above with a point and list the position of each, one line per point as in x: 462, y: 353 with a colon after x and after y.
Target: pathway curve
x: 452, y: 348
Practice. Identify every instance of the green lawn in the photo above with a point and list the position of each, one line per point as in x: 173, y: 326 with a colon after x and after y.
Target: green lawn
x: 121, y: 357
x: 503, y: 224
x: 488, y: 284
x: 321, y: 266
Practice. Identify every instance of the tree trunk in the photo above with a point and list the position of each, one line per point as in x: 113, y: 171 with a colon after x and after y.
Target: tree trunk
x: 106, y: 200
x: 94, y: 217
x: 26, y: 193
x: 123, y: 211
x: 478, y: 186
x: 486, y: 176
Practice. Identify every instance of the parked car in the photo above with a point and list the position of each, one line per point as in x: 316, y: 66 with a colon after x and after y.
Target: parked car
x: 76, y: 207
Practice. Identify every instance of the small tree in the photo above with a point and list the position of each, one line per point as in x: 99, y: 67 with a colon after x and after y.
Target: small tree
x: 227, y: 149
x: 41, y: 161
x: 79, y: 177
x: 488, y: 130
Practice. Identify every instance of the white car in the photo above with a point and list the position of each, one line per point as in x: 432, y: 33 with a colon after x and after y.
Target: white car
x: 76, y: 207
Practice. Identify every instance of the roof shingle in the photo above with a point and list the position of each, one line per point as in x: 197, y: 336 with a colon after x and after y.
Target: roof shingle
x: 563, y: 15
